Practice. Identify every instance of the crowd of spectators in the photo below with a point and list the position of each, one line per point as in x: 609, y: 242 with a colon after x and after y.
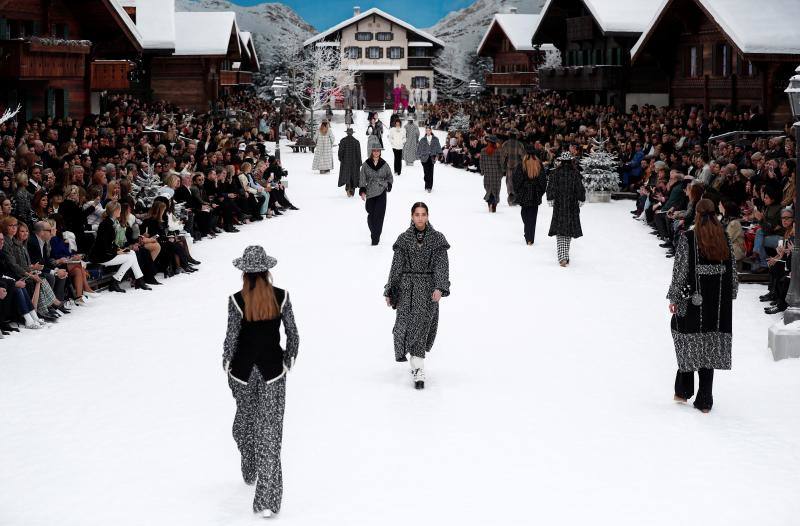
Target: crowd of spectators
x: 125, y: 195
x: 666, y: 157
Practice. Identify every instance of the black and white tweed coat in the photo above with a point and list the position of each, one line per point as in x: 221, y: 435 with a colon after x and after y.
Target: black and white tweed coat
x: 426, y: 150
x: 375, y: 180
x: 492, y: 171
x: 349, y: 161
x: 410, y: 147
x: 417, y: 270
x: 565, y: 189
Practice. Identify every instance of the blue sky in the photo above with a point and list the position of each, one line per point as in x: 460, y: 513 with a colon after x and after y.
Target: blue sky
x: 323, y: 14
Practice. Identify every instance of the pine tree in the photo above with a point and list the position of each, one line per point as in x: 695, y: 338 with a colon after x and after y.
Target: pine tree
x: 600, y: 169
x: 459, y: 122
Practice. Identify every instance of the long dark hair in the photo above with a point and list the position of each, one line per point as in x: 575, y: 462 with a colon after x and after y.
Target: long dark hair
x: 709, y: 234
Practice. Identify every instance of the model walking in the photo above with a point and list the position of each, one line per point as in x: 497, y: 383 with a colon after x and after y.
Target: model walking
x: 566, y: 194
x: 375, y: 180
x: 492, y: 170
x: 257, y: 366
x: 529, y: 184
x: 428, y: 149
x: 418, y: 279
x: 704, y: 285
x: 397, y: 138
x: 512, y: 152
x: 323, y: 149
x: 349, y: 162
x: 412, y: 138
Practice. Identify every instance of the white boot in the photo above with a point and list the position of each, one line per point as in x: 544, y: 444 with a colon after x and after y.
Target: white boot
x: 30, y: 321
x: 267, y: 514
x: 37, y: 319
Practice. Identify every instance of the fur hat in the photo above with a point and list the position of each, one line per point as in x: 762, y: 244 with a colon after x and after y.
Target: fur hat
x: 254, y: 260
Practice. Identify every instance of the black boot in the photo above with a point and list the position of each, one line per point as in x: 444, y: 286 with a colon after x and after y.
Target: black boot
x: 419, y: 384
x: 769, y: 296
x: 140, y: 284
x: 152, y: 281
x: 114, y: 287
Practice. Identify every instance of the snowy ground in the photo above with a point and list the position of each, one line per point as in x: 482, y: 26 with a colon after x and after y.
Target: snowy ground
x: 548, y: 401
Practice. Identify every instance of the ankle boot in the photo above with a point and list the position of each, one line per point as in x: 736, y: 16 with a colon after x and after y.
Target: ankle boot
x: 140, y: 284
x: 114, y: 287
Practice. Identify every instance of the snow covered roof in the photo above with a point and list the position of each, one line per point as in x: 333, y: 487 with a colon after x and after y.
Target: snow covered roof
x: 250, y: 46
x: 621, y: 16
x: 155, y: 20
x: 204, y: 32
x: 518, y: 28
x: 754, y: 26
x: 119, y: 9
x: 369, y: 12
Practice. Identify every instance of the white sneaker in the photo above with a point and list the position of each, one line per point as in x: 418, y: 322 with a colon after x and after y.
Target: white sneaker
x: 267, y: 514
x: 33, y: 326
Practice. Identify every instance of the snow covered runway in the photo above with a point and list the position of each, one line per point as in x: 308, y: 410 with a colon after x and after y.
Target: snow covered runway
x: 548, y: 399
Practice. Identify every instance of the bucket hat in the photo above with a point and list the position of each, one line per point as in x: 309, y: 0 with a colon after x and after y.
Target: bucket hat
x: 254, y: 260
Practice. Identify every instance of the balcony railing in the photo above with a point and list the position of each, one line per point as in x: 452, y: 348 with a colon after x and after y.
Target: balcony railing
x: 245, y: 77
x: 110, y: 75
x: 43, y: 58
x: 228, y: 78
x: 512, y: 79
x: 583, y: 78
x: 419, y: 62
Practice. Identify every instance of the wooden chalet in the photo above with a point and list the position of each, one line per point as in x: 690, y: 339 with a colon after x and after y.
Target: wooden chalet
x: 515, y: 60
x: 595, y: 38
x: 57, y: 56
x: 724, y: 53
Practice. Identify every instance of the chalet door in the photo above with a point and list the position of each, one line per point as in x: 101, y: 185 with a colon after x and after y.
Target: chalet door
x: 373, y: 88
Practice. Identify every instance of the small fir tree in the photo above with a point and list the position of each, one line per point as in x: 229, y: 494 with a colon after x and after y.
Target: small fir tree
x: 600, y: 169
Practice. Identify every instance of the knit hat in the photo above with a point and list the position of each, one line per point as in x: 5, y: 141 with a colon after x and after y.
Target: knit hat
x: 254, y: 260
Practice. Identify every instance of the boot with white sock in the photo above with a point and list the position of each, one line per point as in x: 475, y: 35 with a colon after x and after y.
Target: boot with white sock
x: 32, y: 320
x: 418, y: 371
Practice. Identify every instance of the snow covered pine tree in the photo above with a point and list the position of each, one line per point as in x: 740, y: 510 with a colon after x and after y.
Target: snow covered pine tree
x: 600, y: 176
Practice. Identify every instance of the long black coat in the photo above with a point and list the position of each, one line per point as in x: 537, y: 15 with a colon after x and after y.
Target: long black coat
x: 702, y: 333
x: 104, y: 248
x: 349, y: 161
x: 529, y: 191
x: 565, y: 189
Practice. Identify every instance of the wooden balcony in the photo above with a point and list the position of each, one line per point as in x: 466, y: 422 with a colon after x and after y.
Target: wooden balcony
x: 419, y: 62
x: 583, y: 78
x: 228, y: 77
x: 38, y: 59
x: 580, y: 28
x: 110, y: 75
x: 245, y: 77
x: 512, y: 79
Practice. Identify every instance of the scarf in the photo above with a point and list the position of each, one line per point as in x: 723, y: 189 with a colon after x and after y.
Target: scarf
x: 420, y: 234
x: 119, y: 234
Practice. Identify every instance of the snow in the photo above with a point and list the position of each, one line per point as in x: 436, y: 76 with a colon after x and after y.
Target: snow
x: 119, y: 7
x: 155, y: 20
x: 369, y: 12
x: 763, y: 27
x: 619, y: 16
x: 548, y: 400
x: 519, y: 28
x: 204, y: 32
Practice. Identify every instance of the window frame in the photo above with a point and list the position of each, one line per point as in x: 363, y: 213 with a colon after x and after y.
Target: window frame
x: 350, y: 48
x: 368, y: 54
x: 400, y: 51
x: 364, y: 34
x: 379, y: 33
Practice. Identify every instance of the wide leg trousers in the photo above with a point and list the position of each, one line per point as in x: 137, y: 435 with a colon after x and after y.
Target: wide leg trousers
x: 684, y: 387
x: 398, y: 160
x: 563, y: 242
x: 427, y: 170
x: 258, y: 432
x: 529, y: 215
x: 376, y: 210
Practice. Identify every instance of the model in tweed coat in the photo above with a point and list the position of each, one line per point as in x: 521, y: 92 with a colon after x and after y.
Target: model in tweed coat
x: 512, y: 153
x: 492, y: 170
x: 412, y: 138
x: 418, y: 269
x: 375, y: 180
x: 349, y: 162
x: 323, y: 152
x: 565, y: 191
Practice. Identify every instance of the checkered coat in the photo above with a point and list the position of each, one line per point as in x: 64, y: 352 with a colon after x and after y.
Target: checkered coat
x: 349, y: 161
x: 492, y: 171
x: 565, y: 189
x: 412, y: 138
x: 417, y: 270
x: 512, y: 153
x: 323, y: 152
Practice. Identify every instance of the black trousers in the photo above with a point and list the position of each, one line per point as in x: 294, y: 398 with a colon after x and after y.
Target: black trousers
x: 684, y: 387
x: 146, y: 263
x: 398, y: 160
x: 376, y: 210
x: 58, y: 285
x: 529, y: 214
x: 427, y: 169
x: 660, y: 221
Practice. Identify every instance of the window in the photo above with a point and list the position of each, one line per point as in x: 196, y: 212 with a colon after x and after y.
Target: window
x: 722, y: 60
x: 394, y: 52
x: 694, y: 64
x: 363, y: 35
x: 374, y: 52
x: 384, y: 36
x: 352, y: 52
x: 420, y: 82
x: 598, y: 56
x: 418, y: 51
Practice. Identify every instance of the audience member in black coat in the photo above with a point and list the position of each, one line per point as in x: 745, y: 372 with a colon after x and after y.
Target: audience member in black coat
x: 107, y: 253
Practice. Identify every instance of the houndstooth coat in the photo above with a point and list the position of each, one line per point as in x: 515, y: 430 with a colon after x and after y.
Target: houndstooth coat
x: 417, y: 270
x: 565, y: 189
x: 323, y: 152
x: 349, y: 161
x: 492, y: 170
x: 410, y: 148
